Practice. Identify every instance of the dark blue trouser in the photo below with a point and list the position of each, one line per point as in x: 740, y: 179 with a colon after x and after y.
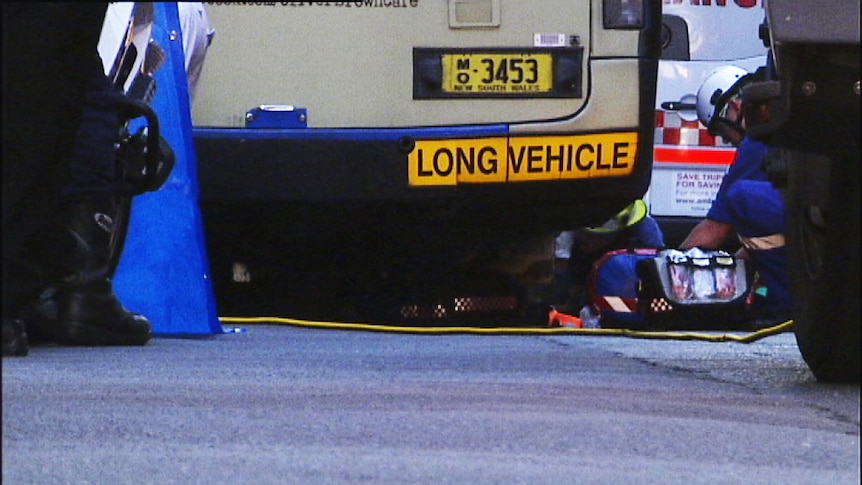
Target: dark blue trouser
x: 759, y: 218
x: 93, y: 163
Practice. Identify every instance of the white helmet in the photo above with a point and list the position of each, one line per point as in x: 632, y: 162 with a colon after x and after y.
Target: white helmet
x: 714, y: 91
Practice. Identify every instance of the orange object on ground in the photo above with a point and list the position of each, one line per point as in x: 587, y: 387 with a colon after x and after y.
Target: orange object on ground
x: 557, y: 318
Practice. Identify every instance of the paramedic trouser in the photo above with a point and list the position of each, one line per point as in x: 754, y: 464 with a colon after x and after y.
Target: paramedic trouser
x: 759, y: 218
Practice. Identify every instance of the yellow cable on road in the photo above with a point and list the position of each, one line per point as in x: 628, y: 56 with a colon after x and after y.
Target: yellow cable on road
x: 660, y: 335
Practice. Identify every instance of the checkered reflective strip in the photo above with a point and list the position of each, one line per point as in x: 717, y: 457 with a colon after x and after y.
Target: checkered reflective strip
x: 688, y: 142
x: 485, y: 303
x: 660, y: 305
x: 460, y: 305
x: 670, y: 129
x: 423, y: 311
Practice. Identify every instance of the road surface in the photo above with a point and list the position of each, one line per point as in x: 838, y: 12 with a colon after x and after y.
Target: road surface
x: 284, y: 404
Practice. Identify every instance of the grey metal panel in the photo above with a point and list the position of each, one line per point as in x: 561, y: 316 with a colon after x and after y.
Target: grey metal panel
x: 814, y: 21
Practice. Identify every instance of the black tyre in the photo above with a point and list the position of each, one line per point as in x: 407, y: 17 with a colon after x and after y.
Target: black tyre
x: 824, y: 267
x: 819, y: 138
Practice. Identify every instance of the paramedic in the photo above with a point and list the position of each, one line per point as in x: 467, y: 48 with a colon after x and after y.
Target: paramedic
x: 197, y: 36
x: 60, y: 126
x: 746, y: 202
x: 576, y: 251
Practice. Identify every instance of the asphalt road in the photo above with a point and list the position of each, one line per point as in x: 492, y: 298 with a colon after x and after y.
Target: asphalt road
x: 281, y: 404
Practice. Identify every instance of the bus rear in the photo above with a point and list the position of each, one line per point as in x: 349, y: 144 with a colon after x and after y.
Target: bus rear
x: 434, y: 135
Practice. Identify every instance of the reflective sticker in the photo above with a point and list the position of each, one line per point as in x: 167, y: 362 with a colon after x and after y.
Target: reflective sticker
x: 762, y: 243
x: 617, y: 304
x: 521, y: 159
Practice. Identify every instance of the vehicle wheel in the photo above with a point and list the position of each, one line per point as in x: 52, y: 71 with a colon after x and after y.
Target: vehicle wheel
x: 823, y: 249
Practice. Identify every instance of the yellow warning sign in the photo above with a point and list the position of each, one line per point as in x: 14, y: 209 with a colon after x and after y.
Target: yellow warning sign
x: 521, y: 159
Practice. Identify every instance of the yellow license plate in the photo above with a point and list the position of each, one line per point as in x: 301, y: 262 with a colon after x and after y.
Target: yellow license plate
x: 498, y: 73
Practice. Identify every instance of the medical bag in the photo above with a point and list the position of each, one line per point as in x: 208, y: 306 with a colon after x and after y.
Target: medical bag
x: 693, y: 290
x: 613, y: 288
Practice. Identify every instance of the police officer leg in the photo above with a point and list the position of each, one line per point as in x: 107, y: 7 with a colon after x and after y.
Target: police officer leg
x: 44, y: 79
x: 88, y: 311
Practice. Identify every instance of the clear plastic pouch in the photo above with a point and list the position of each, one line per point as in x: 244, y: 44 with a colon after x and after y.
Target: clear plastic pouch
x: 703, y: 281
x: 699, y: 276
x: 725, y: 278
x: 681, y: 281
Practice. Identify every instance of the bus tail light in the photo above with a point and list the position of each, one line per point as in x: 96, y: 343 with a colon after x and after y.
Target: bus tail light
x: 623, y: 14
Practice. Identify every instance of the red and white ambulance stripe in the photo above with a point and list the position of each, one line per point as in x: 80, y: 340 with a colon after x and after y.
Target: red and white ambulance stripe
x: 670, y: 129
x: 680, y: 141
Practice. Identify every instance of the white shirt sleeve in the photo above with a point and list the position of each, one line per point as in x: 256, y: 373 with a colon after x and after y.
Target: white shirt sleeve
x: 197, y: 35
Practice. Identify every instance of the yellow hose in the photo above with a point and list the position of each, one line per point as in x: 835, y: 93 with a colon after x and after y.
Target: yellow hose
x: 643, y: 334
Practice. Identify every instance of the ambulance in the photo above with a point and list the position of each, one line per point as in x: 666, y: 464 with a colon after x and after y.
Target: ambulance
x: 689, y: 163
x: 408, y: 142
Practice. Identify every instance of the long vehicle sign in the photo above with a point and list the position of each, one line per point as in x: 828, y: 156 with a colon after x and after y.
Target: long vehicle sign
x: 521, y: 159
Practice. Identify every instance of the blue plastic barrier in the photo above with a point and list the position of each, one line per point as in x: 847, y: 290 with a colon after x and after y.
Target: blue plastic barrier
x: 164, y: 271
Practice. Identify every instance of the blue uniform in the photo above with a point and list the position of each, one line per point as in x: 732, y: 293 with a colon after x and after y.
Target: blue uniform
x: 94, y: 158
x: 644, y: 234
x: 748, y: 201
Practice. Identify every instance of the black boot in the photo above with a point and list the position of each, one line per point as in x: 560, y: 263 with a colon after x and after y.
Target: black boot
x: 88, y: 311
x: 14, y: 338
